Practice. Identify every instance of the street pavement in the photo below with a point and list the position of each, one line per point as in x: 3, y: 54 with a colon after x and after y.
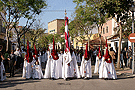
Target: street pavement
x: 124, y: 82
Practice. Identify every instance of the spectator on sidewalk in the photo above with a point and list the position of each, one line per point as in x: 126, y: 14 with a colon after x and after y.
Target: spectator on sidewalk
x: 18, y: 58
x: 124, y: 56
x: 112, y: 54
x: 12, y: 62
x: 116, y: 55
x: 5, y: 61
x: 129, y: 56
x: 121, y: 59
x: 2, y: 68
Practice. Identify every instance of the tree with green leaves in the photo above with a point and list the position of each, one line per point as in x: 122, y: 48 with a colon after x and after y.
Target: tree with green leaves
x: 87, y: 16
x: 15, y: 10
x: 43, y: 41
x: 119, y: 10
x: 35, y: 32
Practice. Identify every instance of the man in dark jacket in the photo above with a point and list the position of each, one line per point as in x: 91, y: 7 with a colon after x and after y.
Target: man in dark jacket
x: 12, y: 63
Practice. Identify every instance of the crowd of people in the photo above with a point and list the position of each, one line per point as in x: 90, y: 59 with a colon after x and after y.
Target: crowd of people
x: 66, y: 64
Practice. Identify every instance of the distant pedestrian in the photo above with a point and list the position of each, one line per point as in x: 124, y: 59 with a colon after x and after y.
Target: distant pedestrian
x: 124, y: 56
x: 121, y: 59
x: 129, y: 56
x: 94, y: 55
x: 5, y: 61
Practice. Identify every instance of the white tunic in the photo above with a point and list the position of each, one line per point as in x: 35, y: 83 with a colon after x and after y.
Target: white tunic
x: 37, y: 72
x: 75, y: 72
x: 48, y: 67
x: 97, y: 64
x: 85, y: 69
x: 107, y: 70
x: 101, y: 68
x: 60, y: 61
x: 33, y: 63
x: 67, y: 69
x: 2, y: 71
x: 27, y: 70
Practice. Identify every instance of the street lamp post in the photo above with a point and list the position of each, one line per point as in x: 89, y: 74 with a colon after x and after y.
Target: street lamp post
x: 132, y: 9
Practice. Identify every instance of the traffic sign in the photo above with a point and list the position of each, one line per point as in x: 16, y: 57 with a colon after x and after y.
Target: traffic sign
x: 131, y: 37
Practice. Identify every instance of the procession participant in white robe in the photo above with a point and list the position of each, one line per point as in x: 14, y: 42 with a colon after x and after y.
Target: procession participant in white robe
x: 2, y: 72
x: 98, y: 62
x: 37, y: 71
x: 55, y: 63
x: 48, y: 66
x: 74, y: 65
x: 27, y: 68
x: 36, y: 55
x: 109, y: 70
x: 2, y: 69
x: 85, y: 69
x: 36, y: 59
x: 101, y: 68
x: 67, y: 68
x: 60, y: 61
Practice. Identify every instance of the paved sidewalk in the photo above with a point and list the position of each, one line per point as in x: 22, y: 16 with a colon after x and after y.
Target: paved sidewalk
x: 125, y: 72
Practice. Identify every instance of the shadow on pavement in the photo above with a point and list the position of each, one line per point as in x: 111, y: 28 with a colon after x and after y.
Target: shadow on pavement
x: 17, y: 79
x: 12, y: 83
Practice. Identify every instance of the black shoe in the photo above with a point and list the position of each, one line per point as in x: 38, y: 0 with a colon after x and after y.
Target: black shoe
x: 67, y: 79
x: 86, y: 78
x: 106, y: 79
x: 27, y: 78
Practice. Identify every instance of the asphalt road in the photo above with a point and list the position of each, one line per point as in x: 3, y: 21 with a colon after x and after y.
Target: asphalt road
x: 18, y: 83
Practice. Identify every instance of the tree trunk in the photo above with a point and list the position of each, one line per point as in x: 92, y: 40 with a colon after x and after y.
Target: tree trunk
x: 7, y: 37
x: 119, y: 49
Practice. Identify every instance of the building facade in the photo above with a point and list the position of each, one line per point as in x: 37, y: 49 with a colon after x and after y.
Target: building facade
x: 110, y: 32
x: 54, y: 26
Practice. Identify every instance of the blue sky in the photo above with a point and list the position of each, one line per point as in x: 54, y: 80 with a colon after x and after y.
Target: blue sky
x: 55, y: 10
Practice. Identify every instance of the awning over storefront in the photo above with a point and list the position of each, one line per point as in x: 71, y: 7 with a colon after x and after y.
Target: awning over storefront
x: 113, y: 37
x: 96, y: 41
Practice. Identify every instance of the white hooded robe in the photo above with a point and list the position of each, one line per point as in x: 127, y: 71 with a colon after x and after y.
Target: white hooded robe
x: 2, y: 72
x: 67, y: 69
x: 85, y: 69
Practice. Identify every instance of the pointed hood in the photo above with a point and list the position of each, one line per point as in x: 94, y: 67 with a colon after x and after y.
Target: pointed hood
x: 54, y: 53
x: 86, y: 56
x: 106, y: 53
x: 99, y: 53
x: 28, y: 52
